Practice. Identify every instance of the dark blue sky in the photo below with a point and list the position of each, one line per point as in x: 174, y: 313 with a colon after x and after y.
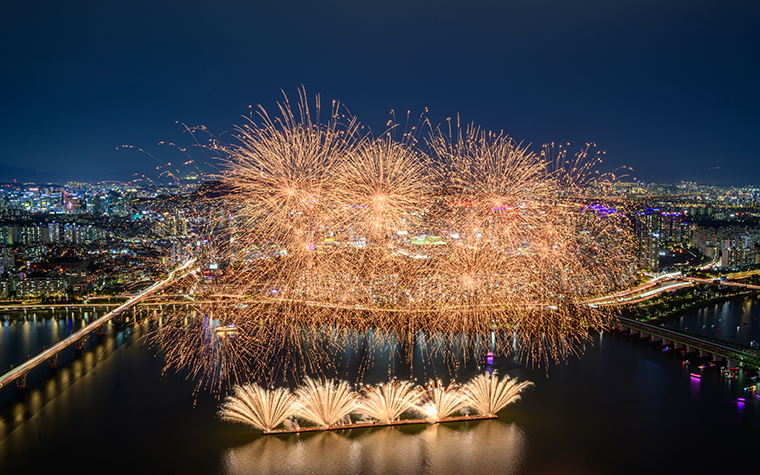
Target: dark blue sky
x: 669, y: 88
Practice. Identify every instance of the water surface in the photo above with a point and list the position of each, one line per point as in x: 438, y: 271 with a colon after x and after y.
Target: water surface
x: 623, y: 407
x: 736, y: 321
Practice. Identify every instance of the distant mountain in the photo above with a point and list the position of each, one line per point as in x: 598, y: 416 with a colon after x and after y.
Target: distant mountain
x: 9, y: 174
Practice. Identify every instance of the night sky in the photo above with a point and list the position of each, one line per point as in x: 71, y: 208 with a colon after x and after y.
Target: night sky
x: 669, y: 88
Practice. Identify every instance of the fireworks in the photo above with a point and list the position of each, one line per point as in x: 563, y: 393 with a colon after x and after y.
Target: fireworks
x: 251, y: 404
x: 489, y: 395
x: 386, y: 402
x: 330, y: 403
x: 442, y: 401
x: 325, y: 403
x: 316, y: 233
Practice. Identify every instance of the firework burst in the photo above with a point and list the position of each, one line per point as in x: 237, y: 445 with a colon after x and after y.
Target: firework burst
x: 325, y: 403
x: 313, y: 227
x: 439, y: 401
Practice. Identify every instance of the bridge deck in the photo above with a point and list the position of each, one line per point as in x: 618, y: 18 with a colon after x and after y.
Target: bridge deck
x: 728, y: 350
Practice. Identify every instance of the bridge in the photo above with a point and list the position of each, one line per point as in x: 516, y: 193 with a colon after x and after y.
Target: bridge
x: 19, y: 373
x: 718, y: 350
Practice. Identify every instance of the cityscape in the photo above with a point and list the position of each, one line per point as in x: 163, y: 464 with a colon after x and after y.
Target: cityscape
x: 72, y: 250
x: 68, y: 242
x: 353, y: 238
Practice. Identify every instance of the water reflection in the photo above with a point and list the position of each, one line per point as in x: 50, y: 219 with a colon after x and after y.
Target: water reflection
x: 739, y: 409
x: 487, y: 446
x: 24, y: 335
x: 694, y: 387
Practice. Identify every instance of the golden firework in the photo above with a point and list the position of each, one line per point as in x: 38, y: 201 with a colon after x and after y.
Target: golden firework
x: 315, y: 234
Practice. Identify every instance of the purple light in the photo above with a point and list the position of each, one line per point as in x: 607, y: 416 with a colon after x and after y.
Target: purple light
x: 695, y: 376
x: 601, y: 209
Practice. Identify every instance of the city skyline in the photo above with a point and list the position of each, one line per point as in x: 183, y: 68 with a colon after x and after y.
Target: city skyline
x: 666, y: 89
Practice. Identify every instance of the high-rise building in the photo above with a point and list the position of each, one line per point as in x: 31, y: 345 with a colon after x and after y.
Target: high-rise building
x: 648, y: 232
x: 737, y: 253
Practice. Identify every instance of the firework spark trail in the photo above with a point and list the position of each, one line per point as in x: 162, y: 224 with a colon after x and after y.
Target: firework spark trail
x: 314, y: 225
x: 488, y: 395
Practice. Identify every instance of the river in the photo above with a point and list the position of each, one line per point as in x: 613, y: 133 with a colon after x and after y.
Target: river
x: 622, y: 407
